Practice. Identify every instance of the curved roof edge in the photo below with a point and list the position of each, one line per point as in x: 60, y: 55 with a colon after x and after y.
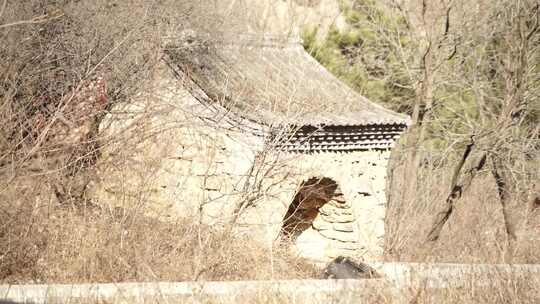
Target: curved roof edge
x: 272, y: 80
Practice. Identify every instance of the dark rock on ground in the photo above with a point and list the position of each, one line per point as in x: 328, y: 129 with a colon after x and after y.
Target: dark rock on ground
x: 346, y: 268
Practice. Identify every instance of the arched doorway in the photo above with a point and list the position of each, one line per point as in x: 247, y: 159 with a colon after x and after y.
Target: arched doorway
x: 311, y: 196
x: 319, y: 222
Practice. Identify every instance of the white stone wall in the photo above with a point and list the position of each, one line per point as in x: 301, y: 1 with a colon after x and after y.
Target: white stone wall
x: 161, y: 157
x: 360, y: 175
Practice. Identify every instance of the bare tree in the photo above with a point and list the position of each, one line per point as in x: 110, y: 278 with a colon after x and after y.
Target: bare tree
x: 476, y: 61
x: 515, y: 31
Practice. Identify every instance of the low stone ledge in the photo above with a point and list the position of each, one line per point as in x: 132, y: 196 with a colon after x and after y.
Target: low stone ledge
x: 445, y: 275
x: 398, y: 279
x: 147, y: 292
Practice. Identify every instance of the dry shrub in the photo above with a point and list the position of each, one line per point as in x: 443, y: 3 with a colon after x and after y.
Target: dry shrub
x: 21, y: 234
x: 49, y: 230
x: 75, y: 244
x: 497, y: 288
x: 475, y: 232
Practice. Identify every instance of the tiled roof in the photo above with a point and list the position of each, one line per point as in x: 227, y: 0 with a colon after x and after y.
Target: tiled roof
x: 274, y: 81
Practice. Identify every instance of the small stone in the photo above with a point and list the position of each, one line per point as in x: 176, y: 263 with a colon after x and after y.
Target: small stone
x: 328, y: 218
x: 339, y: 205
x: 345, y: 212
x: 326, y: 210
x: 344, y: 227
x: 319, y: 224
x: 338, y: 235
x: 340, y: 218
x: 346, y: 268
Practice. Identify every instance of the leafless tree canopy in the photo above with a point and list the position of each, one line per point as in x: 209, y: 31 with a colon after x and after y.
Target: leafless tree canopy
x: 465, y: 183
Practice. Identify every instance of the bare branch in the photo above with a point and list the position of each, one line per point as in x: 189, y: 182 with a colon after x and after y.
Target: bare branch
x: 457, y: 189
x: 536, y: 26
x: 36, y: 20
x: 3, y: 9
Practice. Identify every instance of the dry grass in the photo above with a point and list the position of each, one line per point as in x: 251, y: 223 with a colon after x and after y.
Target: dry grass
x: 44, y: 238
x: 475, y: 232
x: 70, y: 244
x: 495, y: 288
x: 49, y: 231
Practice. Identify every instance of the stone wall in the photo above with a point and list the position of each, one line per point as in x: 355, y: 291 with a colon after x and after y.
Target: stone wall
x: 355, y: 215
x: 170, y: 156
x: 167, y: 154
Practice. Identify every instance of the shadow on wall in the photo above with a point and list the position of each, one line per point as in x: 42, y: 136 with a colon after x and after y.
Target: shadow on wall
x: 312, y: 195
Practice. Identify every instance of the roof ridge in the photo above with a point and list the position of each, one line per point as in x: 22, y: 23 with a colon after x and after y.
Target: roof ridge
x: 264, y: 39
x: 237, y: 39
x: 275, y: 85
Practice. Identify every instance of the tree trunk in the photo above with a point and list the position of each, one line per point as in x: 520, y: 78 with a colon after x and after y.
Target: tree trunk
x: 457, y: 188
x: 420, y: 119
x: 503, y: 184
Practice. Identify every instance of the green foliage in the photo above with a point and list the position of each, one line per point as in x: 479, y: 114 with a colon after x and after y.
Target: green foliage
x: 377, y: 55
x: 358, y: 56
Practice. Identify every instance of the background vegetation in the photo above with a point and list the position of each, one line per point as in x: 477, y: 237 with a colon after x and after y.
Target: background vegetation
x: 64, y: 64
x: 464, y: 183
x: 468, y: 74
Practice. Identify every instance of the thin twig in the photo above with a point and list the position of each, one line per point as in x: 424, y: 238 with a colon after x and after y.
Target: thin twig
x: 3, y: 8
x: 35, y: 20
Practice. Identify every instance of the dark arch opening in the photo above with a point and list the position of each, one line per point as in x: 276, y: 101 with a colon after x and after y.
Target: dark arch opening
x: 311, y: 195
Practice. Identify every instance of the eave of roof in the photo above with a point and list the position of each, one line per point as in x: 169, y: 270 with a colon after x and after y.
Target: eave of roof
x: 274, y: 81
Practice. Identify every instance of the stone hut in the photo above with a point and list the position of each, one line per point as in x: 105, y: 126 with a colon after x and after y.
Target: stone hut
x: 252, y: 130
